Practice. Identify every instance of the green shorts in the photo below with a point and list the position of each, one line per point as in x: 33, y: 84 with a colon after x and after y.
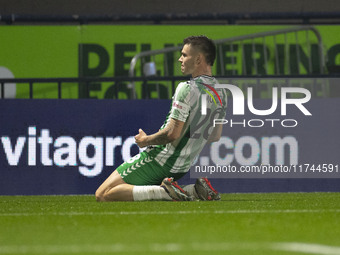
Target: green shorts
x: 142, y: 169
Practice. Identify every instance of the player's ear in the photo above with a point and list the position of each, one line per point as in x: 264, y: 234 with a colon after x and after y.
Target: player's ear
x: 199, y: 58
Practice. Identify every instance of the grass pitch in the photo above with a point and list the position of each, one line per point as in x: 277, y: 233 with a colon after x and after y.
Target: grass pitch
x: 270, y: 223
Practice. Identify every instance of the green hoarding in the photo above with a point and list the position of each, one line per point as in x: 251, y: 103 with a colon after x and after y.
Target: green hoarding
x: 106, y: 51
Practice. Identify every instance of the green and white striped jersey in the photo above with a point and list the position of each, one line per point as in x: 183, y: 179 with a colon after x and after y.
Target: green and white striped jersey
x: 187, y: 107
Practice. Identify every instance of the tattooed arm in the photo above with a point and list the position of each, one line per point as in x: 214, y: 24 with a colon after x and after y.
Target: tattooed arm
x: 167, y: 135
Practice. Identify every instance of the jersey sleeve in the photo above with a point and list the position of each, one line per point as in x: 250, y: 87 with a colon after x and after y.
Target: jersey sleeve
x: 180, y: 103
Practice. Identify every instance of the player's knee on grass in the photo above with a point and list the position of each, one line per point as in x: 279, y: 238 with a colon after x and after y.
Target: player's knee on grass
x: 99, y: 195
x: 102, y: 193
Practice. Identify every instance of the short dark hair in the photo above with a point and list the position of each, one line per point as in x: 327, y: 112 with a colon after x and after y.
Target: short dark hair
x: 204, y: 45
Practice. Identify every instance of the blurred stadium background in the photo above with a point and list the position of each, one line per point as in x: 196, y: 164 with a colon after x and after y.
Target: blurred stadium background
x: 54, y: 50
x: 79, y: 77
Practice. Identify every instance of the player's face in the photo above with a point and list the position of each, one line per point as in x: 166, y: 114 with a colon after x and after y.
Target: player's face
x: 187, y: 60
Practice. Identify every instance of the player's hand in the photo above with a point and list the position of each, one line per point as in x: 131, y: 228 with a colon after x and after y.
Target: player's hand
x: 141, y: 138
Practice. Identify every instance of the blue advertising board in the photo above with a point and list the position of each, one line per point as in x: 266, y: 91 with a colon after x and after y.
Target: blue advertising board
x: 71, y: 146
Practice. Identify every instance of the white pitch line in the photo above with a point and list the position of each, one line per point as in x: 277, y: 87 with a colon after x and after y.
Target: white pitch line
x: 21, y: 214
x: 170, y: 247
x: 308, y: 248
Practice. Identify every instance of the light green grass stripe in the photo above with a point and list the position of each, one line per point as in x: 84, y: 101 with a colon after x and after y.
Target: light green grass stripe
x: 172, y: 212
x: 306, y: 248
